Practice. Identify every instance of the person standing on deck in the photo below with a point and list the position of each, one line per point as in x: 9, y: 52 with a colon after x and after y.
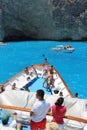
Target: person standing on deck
x: 45, y: 61
x: 39, y: 111
x: 58, y: 112
x: 51, y: 69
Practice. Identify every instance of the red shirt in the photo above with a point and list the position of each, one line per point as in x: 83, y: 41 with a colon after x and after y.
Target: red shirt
x: 58, y: 113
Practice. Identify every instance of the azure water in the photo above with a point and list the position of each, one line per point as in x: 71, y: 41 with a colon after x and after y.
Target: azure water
x: 15, y: 56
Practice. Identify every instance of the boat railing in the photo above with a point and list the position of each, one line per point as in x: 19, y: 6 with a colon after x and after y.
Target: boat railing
x: 49, y: 113
x: 64, y: 83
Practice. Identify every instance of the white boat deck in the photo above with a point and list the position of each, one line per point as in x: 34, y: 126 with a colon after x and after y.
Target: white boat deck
x: 76, y: 107
x: 22, y: 80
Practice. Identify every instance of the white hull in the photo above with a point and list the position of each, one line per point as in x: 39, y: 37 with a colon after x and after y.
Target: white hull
x: 23, y: 99
x: 21, y: 80
x: 64, y: 48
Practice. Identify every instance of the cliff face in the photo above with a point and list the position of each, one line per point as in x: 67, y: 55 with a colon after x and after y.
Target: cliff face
x: 43, y: 19
x: 1, y: 30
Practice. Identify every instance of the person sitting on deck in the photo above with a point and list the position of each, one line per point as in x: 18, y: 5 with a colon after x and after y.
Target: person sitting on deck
x: 76, y: 95
x: 14, y: 86
x: 5, y: 119
x: 26, y: 70
x: 14, y: 123
x: 28, y: 78
x: 2, y: 88
x: 61, y: 94
x: 11, y: 124
x: 26, y: 88
x: 56, y: 91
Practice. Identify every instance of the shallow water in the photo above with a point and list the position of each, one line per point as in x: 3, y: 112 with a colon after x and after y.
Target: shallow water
x: 15, y: 56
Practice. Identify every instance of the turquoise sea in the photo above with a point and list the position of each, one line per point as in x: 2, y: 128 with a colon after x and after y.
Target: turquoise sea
x: 15, y: 56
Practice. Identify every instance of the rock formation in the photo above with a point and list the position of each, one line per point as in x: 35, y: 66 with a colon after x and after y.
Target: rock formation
x: 43, y: 19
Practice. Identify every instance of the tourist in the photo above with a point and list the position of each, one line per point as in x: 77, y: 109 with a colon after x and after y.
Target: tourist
x: 50, y: 72
x: 45, y: 67
x: 52, y: 126
x: 14, y: 86
x: 58, y: 112
x: 10, y: 124
x: 26, y: 88
x: 2, y: 88
x: 45, y: 83
x: 61, y: 94
x: 52, y: 82
x: 13, y: 124
x: 39, y: 111
x: 26, y: 70
x: 49, y: 85
x: 45, y: 73
x: 76, y: 95
x: 51, y: 69
x: 56, y: 91
x: 45, y: 61
x: 19, y: 126
x: 28, y: 78
x: 33, y: 67
x: 5, y: 119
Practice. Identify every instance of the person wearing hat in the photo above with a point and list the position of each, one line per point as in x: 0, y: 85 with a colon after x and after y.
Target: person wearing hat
x: 52, y: 126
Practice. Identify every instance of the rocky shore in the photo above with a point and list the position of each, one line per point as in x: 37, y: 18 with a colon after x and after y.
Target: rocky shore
x: 43, y: 20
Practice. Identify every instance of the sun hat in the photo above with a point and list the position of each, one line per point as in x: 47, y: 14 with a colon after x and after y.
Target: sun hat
x: 52, y: 126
